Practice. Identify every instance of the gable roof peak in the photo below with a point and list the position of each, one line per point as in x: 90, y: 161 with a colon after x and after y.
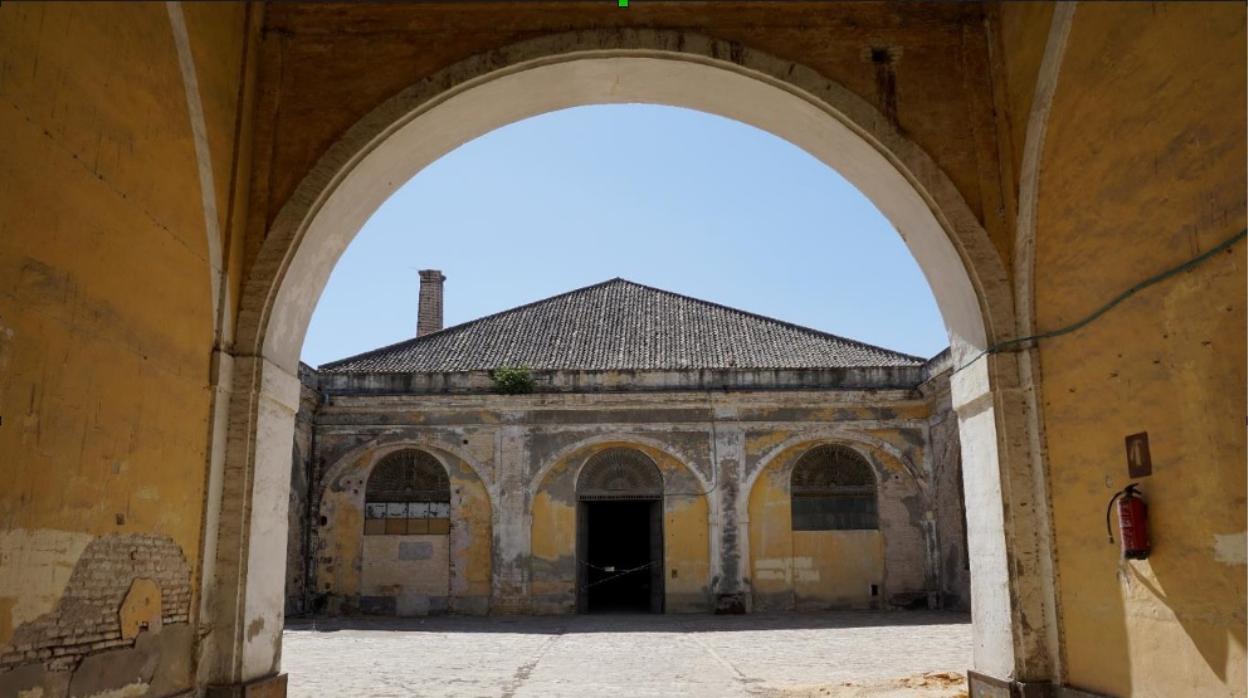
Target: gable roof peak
x: 619, y: 324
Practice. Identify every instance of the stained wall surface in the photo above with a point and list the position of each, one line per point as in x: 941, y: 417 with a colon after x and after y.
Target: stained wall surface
x: 1143, y: 168
x: 352, y: 572
x: 813, y: 570
x: 107, y: 331
x: 107, y: 327
x: 686, y: 533
x: 724, y: 460
x: 298, y: 538
x: 930, y: 69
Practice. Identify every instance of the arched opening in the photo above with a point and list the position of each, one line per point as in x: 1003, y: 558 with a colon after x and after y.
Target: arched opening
x: 619, y: 533
x: 647, y: 473
x: 408, y: 493
x: 830, y: 527
x: 1012, y: 614
x: 833, y: 489
x: 389, y: 517
x: 405, y: 556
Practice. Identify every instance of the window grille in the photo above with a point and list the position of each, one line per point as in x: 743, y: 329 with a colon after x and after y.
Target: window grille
x: 619, y: 473
x: 833, y: 489
x: 408, y: 493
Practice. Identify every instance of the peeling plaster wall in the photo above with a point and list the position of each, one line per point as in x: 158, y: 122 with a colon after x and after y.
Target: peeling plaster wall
x: 356, y: 573
x: 146, y: 640
x: 686, y: 545
x: 945, y: 458
x: 106, y: 322
x: 301, y: 474
x: 525, y: 452
x: 106, y: 331
x: 800, y: 570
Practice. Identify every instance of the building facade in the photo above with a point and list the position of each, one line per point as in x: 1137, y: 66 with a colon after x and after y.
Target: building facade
x: 661, y: 454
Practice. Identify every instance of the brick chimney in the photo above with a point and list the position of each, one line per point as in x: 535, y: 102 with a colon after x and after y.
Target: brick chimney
x: 429, y: 315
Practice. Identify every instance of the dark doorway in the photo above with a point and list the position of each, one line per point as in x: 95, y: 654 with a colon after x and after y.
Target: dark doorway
x: 621, y: 544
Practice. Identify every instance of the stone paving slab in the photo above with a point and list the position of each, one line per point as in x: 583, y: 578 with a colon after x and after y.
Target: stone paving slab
x: 826, y: 654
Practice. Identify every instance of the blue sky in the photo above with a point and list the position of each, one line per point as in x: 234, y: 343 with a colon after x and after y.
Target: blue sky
x: 667, y: 197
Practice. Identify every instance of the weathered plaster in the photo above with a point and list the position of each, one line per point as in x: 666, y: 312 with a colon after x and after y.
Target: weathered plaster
x: 530, y: 448
x: 354, y: 572
x: 830, y: 569
x: 1142, y: 168
x: 49, y: 553
x: 1166, y: 181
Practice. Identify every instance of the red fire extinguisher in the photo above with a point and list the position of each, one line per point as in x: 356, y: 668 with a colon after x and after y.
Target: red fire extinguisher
x: 1132, y: 523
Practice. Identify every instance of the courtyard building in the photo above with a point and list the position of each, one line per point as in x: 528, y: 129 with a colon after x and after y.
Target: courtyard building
x: 621, y: 447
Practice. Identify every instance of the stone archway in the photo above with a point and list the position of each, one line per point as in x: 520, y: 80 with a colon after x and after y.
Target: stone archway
x: 1012, y: 600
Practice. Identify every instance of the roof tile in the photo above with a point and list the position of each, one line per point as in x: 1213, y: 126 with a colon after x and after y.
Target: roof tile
x: 621, y: 325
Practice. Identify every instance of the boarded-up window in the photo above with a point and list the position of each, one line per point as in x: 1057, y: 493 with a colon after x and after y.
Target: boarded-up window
x: 833, y: 489
x: 408, y: 493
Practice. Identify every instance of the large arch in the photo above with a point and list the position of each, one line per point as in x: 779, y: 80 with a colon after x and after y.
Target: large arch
x: 412, y: 129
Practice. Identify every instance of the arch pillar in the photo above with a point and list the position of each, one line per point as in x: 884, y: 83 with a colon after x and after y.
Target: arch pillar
x: 731, y: 528
x: 1008, y: 543
x: 245, y: 540
x: 513, y: 525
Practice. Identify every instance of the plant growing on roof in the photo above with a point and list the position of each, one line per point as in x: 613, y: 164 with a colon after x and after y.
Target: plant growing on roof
x: 512, y: 380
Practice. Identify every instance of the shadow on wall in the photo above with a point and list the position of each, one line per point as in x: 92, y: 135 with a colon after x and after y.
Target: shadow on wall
x: 1214, y: 640
x: 641, y: 623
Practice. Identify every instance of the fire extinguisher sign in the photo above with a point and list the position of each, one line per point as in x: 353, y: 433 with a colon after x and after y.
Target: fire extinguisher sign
x: 1139, y: 462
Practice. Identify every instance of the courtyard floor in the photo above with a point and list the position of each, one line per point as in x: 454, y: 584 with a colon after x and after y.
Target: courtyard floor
x: 904, y: 653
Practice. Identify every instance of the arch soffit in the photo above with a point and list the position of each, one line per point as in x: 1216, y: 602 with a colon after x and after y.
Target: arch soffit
x: 377, y: 452
x: 352, y: 177
x: 621, y: 439
x: 861, y: 443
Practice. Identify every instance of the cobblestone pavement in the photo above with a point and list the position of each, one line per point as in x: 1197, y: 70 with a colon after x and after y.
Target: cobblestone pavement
x: 827, y: 654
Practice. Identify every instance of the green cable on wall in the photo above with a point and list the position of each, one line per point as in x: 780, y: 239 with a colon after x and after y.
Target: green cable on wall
x: 1154, y: 279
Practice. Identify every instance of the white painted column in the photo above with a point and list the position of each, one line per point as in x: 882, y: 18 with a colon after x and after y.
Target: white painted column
x: 245, y: 607
x: 1006, y: 515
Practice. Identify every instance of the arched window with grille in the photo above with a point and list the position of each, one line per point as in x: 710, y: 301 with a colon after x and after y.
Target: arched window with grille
x: 833, y: 489
x: 408, y: 493
x: 620, y: 473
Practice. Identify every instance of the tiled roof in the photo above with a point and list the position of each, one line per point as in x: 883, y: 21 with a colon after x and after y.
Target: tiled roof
x: 620, y: 325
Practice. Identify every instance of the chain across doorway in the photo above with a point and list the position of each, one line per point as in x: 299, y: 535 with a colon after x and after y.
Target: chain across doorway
x: 619, y: 533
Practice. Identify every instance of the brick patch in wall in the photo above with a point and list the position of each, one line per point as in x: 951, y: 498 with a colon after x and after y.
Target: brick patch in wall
x: 87, y: 618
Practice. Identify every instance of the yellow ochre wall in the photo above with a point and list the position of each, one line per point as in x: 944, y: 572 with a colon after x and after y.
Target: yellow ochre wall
x: 686, y: 544
x: 106, y: 326
x: 106, y: 323
x: 340, y: 543
x: 807, y: 568
x: 1144, y: 167
x: 834, y: 569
